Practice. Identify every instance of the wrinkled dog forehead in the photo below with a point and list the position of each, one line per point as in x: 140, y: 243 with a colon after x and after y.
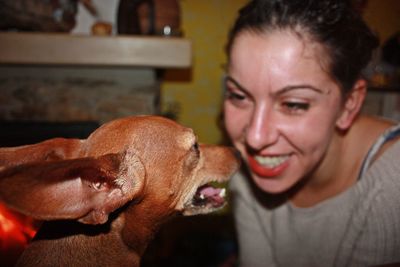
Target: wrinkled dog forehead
x: 187, y: 139
x: 167, y: 136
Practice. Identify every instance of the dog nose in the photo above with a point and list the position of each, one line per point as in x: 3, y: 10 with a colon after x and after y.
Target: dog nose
x: 237, y: 154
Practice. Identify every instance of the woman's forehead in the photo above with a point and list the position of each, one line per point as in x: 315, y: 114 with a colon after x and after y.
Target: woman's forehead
x: 282, y: 49
x: 282, y: 39
x: 277, y: 59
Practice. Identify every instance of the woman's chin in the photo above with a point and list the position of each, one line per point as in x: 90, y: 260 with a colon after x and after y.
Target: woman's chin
x: 272, y: 185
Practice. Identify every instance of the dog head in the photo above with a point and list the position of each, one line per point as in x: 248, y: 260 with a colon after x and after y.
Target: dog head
x: 150, y: 164
x: 173, y: 171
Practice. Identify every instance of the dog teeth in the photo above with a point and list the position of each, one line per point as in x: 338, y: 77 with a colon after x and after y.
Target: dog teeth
x: 97, y: 185
x: 222, y: 193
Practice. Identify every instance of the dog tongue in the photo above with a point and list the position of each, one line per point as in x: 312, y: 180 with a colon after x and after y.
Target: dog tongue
x: 213, y: 194
x: 209, y: 190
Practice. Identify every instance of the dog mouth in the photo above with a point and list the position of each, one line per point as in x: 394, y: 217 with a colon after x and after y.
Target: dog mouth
x: 208, y: 198
x: 209, y: 195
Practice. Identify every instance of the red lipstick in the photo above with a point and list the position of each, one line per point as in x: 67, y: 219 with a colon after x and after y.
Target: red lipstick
x: 265, y: 171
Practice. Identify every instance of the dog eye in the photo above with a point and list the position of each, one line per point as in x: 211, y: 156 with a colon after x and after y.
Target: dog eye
x: 195, y: 146
x: 195, y: 149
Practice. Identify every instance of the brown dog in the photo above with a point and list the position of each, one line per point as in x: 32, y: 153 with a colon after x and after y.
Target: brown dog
x: 105, y: 197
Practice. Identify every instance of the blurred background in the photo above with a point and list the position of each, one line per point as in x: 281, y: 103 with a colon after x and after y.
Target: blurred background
x: 66, y: 67
x: 206, y: 24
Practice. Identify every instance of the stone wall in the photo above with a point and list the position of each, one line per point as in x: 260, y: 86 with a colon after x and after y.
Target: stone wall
x: 60, y: 93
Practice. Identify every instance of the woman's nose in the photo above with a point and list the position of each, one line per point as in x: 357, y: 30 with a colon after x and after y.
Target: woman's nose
x: 262, y: 129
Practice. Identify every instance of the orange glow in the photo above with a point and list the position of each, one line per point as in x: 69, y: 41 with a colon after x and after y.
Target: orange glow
x: 16, y: 231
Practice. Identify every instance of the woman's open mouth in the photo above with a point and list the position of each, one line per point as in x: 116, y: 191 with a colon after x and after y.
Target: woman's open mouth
x: 268, y: 166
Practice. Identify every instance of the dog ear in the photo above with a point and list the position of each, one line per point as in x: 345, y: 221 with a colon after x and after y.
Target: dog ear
x: 84, y: 189
x: 49, y: 150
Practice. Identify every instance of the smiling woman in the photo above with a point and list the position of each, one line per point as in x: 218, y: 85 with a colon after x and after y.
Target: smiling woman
x: 289, y: 92
x: 293, y: 94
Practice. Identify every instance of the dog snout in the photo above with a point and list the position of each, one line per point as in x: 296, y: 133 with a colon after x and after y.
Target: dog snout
x: 237, y: 154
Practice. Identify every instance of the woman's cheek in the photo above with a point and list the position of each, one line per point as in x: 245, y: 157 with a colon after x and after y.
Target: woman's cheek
x: 235, y: 121
x: 308, y: 134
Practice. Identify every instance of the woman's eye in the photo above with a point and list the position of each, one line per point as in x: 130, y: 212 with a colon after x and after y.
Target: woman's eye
x: 237, y: 99
x: 295, y: 107
x: 234, y: 96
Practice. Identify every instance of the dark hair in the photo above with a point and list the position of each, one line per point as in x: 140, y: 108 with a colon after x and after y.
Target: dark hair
x: 332, y: 23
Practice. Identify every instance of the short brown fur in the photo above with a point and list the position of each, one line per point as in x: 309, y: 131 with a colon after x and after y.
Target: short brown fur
x: 103, y: 198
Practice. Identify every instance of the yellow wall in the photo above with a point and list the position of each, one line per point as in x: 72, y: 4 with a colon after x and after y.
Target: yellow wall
x: 383, y: 16
x: 206, y: 23
x: 198, y: 92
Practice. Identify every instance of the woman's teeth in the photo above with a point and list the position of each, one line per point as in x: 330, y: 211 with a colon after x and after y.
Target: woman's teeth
x: 271, y: 162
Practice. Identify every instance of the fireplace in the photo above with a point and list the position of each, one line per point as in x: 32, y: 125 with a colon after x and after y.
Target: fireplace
x: 16, y: 133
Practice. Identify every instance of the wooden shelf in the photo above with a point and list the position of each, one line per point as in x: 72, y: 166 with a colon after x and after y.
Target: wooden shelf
x: 69, y: 49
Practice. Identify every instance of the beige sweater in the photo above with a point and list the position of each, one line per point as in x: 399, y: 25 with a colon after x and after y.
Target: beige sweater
x: 360, y: 227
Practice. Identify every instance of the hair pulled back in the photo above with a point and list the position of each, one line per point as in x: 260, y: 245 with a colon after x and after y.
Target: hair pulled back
x: 332, y: 23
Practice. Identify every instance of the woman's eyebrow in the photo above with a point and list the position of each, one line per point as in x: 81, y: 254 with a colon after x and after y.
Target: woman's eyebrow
x: 299, y: 87
x: 236, y: 83
x: 280, y: 91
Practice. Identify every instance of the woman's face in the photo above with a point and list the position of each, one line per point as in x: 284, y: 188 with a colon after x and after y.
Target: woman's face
x: 281, y: 107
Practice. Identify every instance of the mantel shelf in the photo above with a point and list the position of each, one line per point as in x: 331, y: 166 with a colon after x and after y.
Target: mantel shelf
x: 70, y: 49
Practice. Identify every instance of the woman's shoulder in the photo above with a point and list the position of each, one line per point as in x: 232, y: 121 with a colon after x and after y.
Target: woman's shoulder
x: 367, y: 129
x: 378, y: 184
x: 385, y: 150
x: 382, y: 162
x: 369, y: 138
x: 386, y: 167
x: 382, y: 177
x: 379, y: 205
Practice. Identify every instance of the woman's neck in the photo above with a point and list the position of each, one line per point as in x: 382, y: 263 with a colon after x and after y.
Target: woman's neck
x: 341, y: 165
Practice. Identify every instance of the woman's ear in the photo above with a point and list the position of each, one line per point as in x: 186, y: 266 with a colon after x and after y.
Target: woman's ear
x: 352, y: 105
